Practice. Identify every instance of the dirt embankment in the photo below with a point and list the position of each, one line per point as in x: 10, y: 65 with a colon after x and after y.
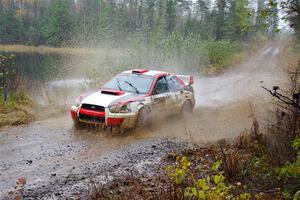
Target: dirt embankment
x: 58, y: 161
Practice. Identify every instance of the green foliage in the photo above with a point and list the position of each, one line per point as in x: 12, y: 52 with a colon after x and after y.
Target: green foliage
x: 190, y: 52
x: 2, y: 22
x: 58, y: 25
x: 170, y: 16
x: 254, y: 174
x: 238, y: 22
x: 220, y: 52
x: 296, y: 145
x: 212, y: 186
x: 11, y: 27
x: 291, y: 170
x: 93, y: 22
x: 9, y: 90
x: 15, y: 100
x: 19, y: 97
x: 7, y: 73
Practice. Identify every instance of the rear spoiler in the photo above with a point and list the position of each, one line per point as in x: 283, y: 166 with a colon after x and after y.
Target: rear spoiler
x: 188, y: 80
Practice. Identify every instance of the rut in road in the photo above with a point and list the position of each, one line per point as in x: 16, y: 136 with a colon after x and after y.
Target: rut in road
x: 52, y: 147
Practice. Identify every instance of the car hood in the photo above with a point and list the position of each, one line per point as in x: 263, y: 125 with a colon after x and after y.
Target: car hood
x: 100, y: 99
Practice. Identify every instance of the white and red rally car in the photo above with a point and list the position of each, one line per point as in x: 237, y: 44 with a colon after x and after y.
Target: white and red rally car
x: 127, y: 100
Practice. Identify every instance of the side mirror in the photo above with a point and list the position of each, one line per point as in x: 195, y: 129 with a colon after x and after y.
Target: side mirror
x: 275, y: 88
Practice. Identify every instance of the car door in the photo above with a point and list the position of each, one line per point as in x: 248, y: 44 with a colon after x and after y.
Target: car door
x: 160, y: 95
x: 177, y: 92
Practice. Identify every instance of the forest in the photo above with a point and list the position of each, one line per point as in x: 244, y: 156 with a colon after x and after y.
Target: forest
x: 98, y: 22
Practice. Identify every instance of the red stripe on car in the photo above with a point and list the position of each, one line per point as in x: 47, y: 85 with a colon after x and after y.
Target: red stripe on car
x: 91, y: 112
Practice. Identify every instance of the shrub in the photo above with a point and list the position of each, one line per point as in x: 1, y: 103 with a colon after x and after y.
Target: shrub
x: 220, y: 53
x: 7, y: 74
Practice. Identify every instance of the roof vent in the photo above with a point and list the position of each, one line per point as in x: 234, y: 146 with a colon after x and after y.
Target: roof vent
x: 112, y: 92
x: 139, y: 71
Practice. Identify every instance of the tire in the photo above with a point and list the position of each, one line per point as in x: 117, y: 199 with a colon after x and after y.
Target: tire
x: 116, y: 130
x: 142, y: 117
x: 77, y: 124
x: 187, y: 109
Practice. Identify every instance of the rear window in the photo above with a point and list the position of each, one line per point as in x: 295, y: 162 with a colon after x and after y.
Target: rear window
x: 133, y: 83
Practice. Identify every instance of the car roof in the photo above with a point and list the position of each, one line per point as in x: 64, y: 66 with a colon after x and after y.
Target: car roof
x: 145, y: 72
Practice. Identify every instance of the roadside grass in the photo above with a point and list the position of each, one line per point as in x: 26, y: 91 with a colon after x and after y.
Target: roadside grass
x: 18, y: 109
x: 289, y: 58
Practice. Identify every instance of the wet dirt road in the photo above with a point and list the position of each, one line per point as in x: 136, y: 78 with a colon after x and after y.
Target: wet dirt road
x: 51, y: 148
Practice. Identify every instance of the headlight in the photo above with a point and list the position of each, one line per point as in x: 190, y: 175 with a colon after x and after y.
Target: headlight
x: 120, y: 108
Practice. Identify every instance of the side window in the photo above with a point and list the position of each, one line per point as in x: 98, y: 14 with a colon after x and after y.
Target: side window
x: 174, y: 84
x: 161, y: 86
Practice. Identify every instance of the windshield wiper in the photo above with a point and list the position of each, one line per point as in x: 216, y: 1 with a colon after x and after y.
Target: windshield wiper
x: 119, y: 85
x: 136, y: 90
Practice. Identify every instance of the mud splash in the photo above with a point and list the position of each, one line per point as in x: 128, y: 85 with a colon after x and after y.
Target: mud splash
x: 60, y: 92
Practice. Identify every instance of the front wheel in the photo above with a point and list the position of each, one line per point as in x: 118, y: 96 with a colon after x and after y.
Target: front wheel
x: 142, y: 118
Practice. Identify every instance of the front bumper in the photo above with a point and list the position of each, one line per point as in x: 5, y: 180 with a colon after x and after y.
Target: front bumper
x: 123, y: 120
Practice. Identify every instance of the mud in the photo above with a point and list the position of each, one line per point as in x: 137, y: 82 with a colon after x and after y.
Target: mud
x: 58, y: 160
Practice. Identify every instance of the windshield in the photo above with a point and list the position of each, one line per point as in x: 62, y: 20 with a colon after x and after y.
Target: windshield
x: 132, y: 83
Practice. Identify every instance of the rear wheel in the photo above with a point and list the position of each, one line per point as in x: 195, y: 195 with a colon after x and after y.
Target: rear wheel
x: 187, y: 109
x: 142, y: 118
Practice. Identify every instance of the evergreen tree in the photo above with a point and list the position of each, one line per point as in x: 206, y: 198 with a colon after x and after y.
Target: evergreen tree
x: 238, y: 21
x: 150, y: 9
x: 205, y: 18
x: 161, y: 20
x: 274, y: 20
x: 170, y: 16
x: 220, y: 21
x: 88, y: 19
x: 13, y: 25
x: 104, y: 27
x: 2, y: 23
x: 58, y: 26
x: 56, y: 22
x: 292, y: 8
x: 261, y: 15
x: 202, y: 7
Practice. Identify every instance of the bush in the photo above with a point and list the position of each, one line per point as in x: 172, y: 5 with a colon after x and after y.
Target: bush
x: 7, y: 74
x: 189, y: 53
x: 220, y: 53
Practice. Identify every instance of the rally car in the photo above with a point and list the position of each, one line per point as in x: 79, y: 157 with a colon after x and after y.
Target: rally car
x: 128, y: 99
